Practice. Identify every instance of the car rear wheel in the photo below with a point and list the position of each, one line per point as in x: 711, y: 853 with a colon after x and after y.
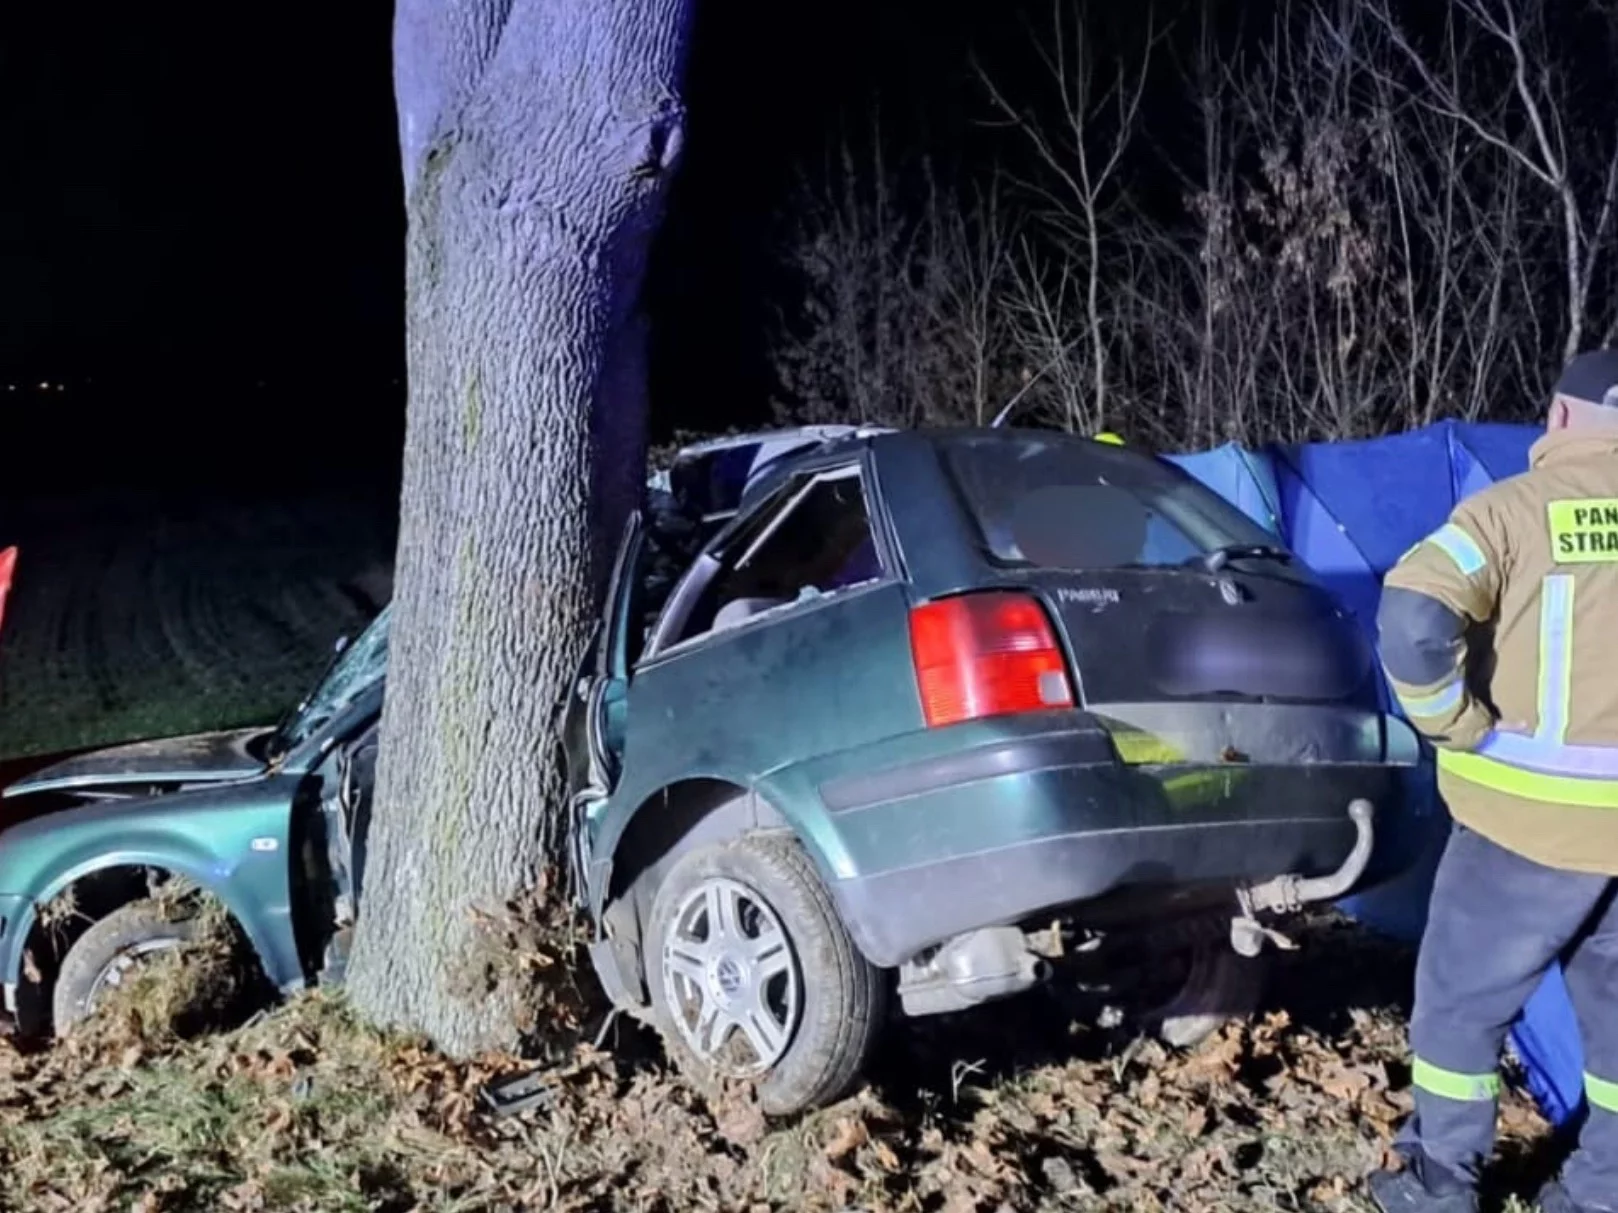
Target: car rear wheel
x: 754, y: 977
x: 1181, y: 984
x: 108, y: 954
x: 1218, y: 987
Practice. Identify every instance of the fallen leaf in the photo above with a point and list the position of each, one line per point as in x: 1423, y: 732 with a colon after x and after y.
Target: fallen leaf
x: 1346, y: 1085
x: 1217, y: 1058
x: 279, y: 1119
x: 1118, y: 1166
x: 1059, y: 1174
x: 247, y: 1197
x: 1334, y: 1188
x: 884, y: 1155
x: 739, y: 1118
x: 850, y: 1135
x: 839, y: 1184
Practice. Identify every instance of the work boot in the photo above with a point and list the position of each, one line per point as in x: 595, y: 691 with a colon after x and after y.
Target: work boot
x: 1553, y: 1198
x: 1405, y: 1192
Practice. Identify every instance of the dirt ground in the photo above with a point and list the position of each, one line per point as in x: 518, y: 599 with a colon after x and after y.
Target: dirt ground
x: 1012, y: 1109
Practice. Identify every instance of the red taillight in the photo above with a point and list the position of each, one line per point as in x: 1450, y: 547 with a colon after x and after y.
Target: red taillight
x: 985, y: 655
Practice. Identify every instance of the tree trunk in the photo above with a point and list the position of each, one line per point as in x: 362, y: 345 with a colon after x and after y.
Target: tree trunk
x: 537, y: 139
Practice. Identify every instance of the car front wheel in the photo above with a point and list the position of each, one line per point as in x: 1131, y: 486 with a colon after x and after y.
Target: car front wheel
x: 107, y: 954
x: 754, y: 977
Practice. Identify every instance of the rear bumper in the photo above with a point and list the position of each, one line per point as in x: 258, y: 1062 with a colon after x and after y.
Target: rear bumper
x: 1003, y: 833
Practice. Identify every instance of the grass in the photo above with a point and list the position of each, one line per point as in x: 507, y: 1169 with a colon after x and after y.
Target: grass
x: 203, y: 1125
x: 306, y: 1108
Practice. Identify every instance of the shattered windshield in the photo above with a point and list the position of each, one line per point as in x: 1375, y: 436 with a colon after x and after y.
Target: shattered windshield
x: 1055, y: 502
x: 356, y: 668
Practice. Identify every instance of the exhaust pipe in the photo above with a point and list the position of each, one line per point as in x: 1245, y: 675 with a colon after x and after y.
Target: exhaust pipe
x: 1287, y: 894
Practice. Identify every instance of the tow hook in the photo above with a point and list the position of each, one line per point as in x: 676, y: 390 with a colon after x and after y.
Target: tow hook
x: 1287, y: 894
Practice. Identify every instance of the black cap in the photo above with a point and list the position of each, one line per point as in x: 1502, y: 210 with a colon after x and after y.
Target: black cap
x: 1592, y: 376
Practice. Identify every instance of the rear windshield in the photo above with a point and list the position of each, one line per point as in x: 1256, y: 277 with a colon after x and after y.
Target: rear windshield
x: 1064, y: 503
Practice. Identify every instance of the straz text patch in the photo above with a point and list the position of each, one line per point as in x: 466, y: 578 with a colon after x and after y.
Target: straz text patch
x: 1584, y: 531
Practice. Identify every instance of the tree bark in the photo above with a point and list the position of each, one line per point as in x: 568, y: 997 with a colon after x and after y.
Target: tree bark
x: 537, y: 138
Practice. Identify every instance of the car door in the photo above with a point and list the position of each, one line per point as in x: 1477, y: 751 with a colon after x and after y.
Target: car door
x: 356, y: 789
x: 787, y: 640
x: 593, y: 724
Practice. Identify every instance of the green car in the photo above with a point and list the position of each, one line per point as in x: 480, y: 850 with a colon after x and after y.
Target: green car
x: 264, y: 819
x: 876, y: 724
x: 912, y: 721
x: 271, y: 821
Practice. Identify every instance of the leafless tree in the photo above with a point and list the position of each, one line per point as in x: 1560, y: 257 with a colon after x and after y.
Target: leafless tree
x: 897, y: 317
x: 1526, y: 110
x: 1079, y: 182
x: 1377, y: 231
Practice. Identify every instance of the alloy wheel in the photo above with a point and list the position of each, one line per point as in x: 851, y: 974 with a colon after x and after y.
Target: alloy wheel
x: 734, y: 983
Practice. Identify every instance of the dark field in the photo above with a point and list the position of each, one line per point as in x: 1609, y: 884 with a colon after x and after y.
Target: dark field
x: 141, y: 615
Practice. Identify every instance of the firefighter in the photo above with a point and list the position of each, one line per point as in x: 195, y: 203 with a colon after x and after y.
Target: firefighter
x: 1499, y: 634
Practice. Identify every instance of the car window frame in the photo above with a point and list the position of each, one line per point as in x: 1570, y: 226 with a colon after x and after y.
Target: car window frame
x: 613, y: 630
x: 1176, y: 480
x: 773, y: 510
x: 358, y: 714
x: 383, y: 621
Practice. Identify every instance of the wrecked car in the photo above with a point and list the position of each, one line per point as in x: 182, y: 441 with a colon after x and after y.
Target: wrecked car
x: 919, y: 720
x: 875, y: 723
x: 100, y: 854
x: 94, y: 849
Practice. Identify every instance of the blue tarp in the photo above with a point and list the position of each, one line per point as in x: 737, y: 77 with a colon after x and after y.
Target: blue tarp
x: 1350, y: 510
x: 1241, y: 477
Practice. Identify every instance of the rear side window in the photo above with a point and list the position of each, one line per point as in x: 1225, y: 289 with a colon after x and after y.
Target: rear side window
x: 817, y: 542
x: 823, y: 541
x: 1063, y: 503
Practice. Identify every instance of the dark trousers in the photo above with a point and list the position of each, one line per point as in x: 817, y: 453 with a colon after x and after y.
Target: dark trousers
x: 1497, y: 923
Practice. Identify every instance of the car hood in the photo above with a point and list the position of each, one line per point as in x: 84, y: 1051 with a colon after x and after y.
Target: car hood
x: 196, y: 758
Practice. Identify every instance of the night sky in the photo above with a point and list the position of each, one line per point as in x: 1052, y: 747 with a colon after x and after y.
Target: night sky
x: 201, y: 228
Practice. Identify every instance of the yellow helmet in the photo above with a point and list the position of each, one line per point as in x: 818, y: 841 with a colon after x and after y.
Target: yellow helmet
x: 1110, y: 438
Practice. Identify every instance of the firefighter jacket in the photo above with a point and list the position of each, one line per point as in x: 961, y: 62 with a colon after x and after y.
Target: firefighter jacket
x: 1499, y: 635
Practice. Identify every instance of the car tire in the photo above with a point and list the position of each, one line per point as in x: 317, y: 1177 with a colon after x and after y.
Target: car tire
x: 137, y: 929
x: 1220, y: 986
x: 820, y: 1035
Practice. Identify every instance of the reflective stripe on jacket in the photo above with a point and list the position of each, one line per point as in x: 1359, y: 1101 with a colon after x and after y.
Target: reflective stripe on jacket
x: 1500, y: 637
